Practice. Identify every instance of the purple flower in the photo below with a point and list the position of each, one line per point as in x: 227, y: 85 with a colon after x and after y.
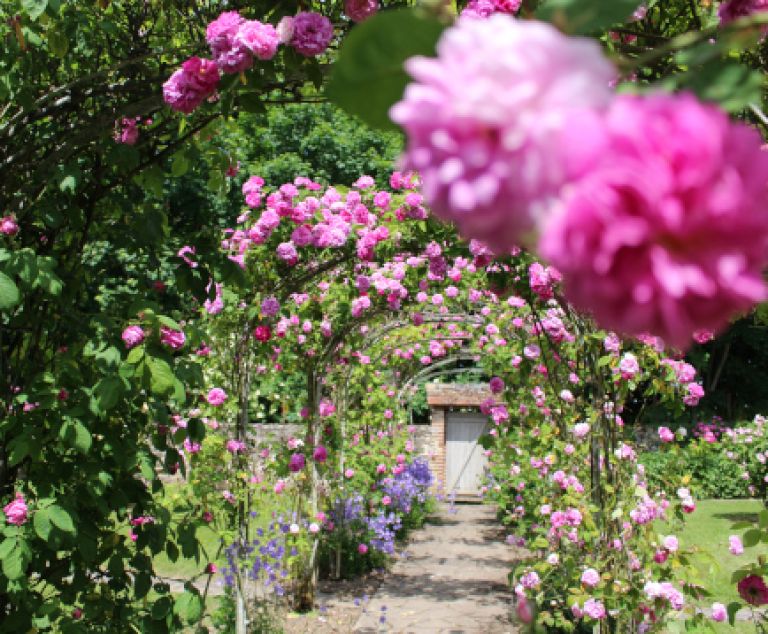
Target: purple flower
x: 320, y: 454
x: 312, y: 33
x: 296, y: 462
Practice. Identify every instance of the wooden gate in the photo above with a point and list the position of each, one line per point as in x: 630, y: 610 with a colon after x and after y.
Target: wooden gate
x: 465, y: 463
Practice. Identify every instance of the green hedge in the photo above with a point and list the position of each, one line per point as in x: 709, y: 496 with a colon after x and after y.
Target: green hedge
x: 713, y: 475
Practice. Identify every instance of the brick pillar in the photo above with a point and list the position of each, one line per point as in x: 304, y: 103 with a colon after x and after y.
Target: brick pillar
x: 438, y: 444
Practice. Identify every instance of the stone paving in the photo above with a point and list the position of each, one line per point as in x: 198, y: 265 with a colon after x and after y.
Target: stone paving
x: 453, y: 580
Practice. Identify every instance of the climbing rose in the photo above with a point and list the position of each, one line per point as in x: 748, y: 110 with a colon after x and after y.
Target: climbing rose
x: 270, y: 307
x: 16, y: 511
x: 262, y: 333
x: 590, y: 577
x: 593, y: 608
x: 753, y: 590
x: 359, y: 10
x: 133, y: 336
x: 483, y: 122
x: 496, y: 385
x: 485, y: 8
x: 231, y: 55
x: 191, y: 84
x: 667, y: 234
x: 628, y: 366
x: 172, y: 338
x: 735, y: 9
x: 735, y: 547
x: 362, y: 549
x: 216, y: 397
x: 312, y: 33
x: 665, y: 434
x: 8, y: 226
x: 259, y: 38
x: 285, y: 31
x: 719, y: 612
x: 128, y: 133
x: 296, y: 462
x: 320, y: 454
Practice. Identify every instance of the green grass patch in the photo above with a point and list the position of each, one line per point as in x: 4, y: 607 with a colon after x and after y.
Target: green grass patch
x: 708, y: 530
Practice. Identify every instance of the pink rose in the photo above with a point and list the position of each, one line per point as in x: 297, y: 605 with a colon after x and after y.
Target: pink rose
x: 133, y: 336
x: 16, y: 512
x: 667, y: 231
x: 359, y: 10
x: 216, y: 397
x: 312, y: 33
x: 469, y: 114
x: 8, y: 226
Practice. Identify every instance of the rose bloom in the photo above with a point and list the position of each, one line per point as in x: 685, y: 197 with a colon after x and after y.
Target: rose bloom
x: 671, y: 543
x: 8, y: 226
x: 496, y: 385
x: 590, y: 577
x: 362, y: 548
x: 172, y: 338
x: 735, y: 547
x: 483, y: 121
x: 133, y: 336
x: 735, y: 9
x: 719, y: 612
x: 320, y: 454
x: 259, y: 38
x: 667, y: 232
x: 484, y: 8
x: 312, y: 33
x: 216, y: 397
x: 195, y: 81
x: 753, y: 590
x: 16, y: 512
x: 665, y: 434
x: 262, y: 333
x: 359, y: 10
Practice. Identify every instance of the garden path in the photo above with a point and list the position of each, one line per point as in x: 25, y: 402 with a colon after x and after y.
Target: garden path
x: 453, y: 579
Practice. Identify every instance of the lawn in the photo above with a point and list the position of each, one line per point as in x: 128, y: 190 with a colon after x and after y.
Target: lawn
x: 708, y: 530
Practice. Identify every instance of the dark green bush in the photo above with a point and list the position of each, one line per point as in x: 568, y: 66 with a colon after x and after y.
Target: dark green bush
x: 712, y: 474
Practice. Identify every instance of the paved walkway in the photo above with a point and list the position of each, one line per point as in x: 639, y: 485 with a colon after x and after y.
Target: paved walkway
x: 453, y: 580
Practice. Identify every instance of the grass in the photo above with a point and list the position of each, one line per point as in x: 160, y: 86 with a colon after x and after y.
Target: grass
x: 708, y: 530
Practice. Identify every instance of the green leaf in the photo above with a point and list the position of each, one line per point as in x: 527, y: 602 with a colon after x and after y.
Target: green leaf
x: 34, y: 8
x: 180, y: 165
x: 61, y: 519
x: 161, y: 608
x: 42, y: 523
x: 752, y: 538
x: 141, y: 584
x: 108, y: 392
x: 68, y: 184
x: 9, y: 293
x: 57, y: 43
x: 252, y: 102
x: 6, y: 546
x: 81, y: 439
x: 18, y: 449
x: 732, y: 609
x: 161, y: 375
x: 585, y: 16
x: 189, y: 605
x: 14, y: 563
x: 731, y: 85
x: 368, y: 77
